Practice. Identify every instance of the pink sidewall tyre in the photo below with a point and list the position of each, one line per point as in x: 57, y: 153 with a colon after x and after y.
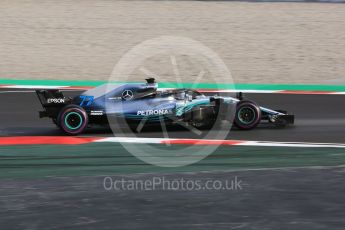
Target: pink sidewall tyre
x: 248, y: 115
x: 73, y: 120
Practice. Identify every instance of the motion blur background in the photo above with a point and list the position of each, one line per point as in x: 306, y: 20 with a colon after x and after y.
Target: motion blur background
x: 259, y: 42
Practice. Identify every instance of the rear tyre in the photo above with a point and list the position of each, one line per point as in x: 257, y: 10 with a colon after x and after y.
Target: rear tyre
x: 73, y: 120
x: 248, y: 115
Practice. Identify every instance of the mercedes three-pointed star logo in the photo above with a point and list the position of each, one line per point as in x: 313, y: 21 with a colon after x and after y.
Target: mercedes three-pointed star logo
x: 127, y: 95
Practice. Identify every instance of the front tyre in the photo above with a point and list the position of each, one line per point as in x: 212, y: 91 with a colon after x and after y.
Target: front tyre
x: 73, y: 119
x: 248, y: 115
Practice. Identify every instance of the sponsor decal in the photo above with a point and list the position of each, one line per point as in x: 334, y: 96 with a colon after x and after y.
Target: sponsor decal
x: 96, y: 113
x: 86, y: 100
x: 114, y: 98
x: 127, y: 95
x: 56, y: 100
x: 154, y: 112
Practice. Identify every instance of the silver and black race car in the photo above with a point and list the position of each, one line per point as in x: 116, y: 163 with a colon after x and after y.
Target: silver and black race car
x: 137, y: 102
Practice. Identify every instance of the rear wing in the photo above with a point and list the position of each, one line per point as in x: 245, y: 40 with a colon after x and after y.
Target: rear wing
x: 52, y: 100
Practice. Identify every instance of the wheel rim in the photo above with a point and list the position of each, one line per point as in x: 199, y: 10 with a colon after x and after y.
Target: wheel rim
x: 73, y: 120
x: 246, y: 115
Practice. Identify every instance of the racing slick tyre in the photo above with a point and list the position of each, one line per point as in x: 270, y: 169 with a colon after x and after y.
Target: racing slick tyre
x: 248, y: 115
x: 72, y: 119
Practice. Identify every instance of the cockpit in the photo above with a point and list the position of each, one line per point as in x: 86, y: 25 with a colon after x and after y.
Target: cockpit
x: 181, y: 94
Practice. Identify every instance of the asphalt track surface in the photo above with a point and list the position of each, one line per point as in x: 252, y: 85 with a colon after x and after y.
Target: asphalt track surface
x: 295, y: 198
x: 318, y: 118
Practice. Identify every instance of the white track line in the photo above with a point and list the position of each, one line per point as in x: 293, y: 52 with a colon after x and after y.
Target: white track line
x: 291, y: 144
x: 132, y: 140
x: 221, y: 142
x: 33, y: 86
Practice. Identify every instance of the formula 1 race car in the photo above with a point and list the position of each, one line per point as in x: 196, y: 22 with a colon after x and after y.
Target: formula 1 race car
x: 135, y: 102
